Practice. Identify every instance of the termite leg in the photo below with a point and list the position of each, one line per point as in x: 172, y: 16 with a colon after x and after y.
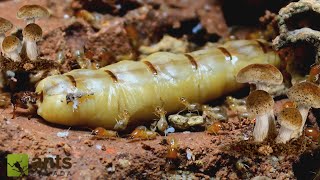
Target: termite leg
x: 14, y: 107
x: 181, y: 111
x: 197, y: 112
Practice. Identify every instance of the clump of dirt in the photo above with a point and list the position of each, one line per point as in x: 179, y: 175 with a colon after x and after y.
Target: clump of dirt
x: 27, y: 65
x: 169, y: 13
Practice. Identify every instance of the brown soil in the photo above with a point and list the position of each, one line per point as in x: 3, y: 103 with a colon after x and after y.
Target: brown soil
x: 231, y: 154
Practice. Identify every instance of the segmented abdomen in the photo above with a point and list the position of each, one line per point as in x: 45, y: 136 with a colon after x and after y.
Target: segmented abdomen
x: 138, y: 87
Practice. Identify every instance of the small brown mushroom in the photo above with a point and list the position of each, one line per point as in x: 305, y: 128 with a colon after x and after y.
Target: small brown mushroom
x: 32, y: 12
x: 5, y: 26
x: 290, y: 120
x: 262, y: 75
x: 306, y: 95
x: 260, y: 105
x: 32, y: 33
x: 11, y: 46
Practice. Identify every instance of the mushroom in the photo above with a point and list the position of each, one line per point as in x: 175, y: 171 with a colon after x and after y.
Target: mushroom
x: 32, y: 12
x: 5, y: 26
x: 32, y: 33
x: 306, y: 95
x: 262, y: 75
x: 260, y: 105
x: 11, y: 46
x: 290, y: 120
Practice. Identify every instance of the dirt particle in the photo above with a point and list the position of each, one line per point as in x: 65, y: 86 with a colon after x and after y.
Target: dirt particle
x: 88, y: 142
x: 28, y: 66
x: 67, y: 149
x: 147, y: 147
x: 265, y: 150
x: 124, y: 163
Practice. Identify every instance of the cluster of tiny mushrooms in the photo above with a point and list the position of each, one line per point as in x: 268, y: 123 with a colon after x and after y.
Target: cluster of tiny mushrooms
x: 259, y: 103
x: 11, y: 46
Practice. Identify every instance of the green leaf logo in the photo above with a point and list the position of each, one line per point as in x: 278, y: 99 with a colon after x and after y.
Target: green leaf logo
x: 17, y: 165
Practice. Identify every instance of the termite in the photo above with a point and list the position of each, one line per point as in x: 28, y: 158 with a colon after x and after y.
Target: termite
x: 100, y: 132
x: 159, y: 79
x: 214, y: 113
x: 26, y: 100
x: 214, y: 128
x: 142, y: 133
x: 172, y: 149
x: 191, y: 107
x: 122, y: 122
x: 162, y: 123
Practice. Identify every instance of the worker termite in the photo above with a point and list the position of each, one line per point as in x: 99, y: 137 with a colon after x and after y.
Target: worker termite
x: 102, y: 133
x: 26, y: 100
x: 172, y: 149
x: 214, y: 113
x: 122, y: 122
x: 214, y: 128
x: 139, y: 86
x: 75, y: 97
x: 191, y: 107
x: 83, y: 61
x: 162, y: 123
x: 142, y: 133
x: 92, y: 19
x: 238, y: 106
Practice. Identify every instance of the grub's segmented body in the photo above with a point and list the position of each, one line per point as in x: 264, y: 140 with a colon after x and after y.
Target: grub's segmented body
x: 160, y: 79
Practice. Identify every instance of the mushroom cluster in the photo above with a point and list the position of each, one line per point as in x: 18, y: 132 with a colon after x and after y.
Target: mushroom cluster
x: 11, y: 46
x: 260, y: 103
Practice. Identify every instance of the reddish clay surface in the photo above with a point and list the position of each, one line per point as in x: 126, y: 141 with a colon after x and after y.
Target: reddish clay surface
x: 231, y: 154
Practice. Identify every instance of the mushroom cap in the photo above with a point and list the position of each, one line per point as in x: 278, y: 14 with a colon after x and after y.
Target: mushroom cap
x: 260, y: 73
x: 32, y: 11
x: 290, y: 118
x: 5, y: 25
x: 259, y: 102
x: 306, y: 94
x: 10, y: 43
x: 32, y: 32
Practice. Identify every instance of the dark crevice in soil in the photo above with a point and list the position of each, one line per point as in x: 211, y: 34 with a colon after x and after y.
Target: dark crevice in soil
x: 308, y: 166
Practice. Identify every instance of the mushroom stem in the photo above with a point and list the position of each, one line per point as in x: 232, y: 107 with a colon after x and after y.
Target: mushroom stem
x: 14, y: 56
x: 274, y: 90
x: 32, y: 50
x: 2, y: 36
x: 260, y: 86
x: 260, y: 131
x: 304, y: 111
x: 285, y: 135
x: 30, y: 20
x: 265, y: 125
